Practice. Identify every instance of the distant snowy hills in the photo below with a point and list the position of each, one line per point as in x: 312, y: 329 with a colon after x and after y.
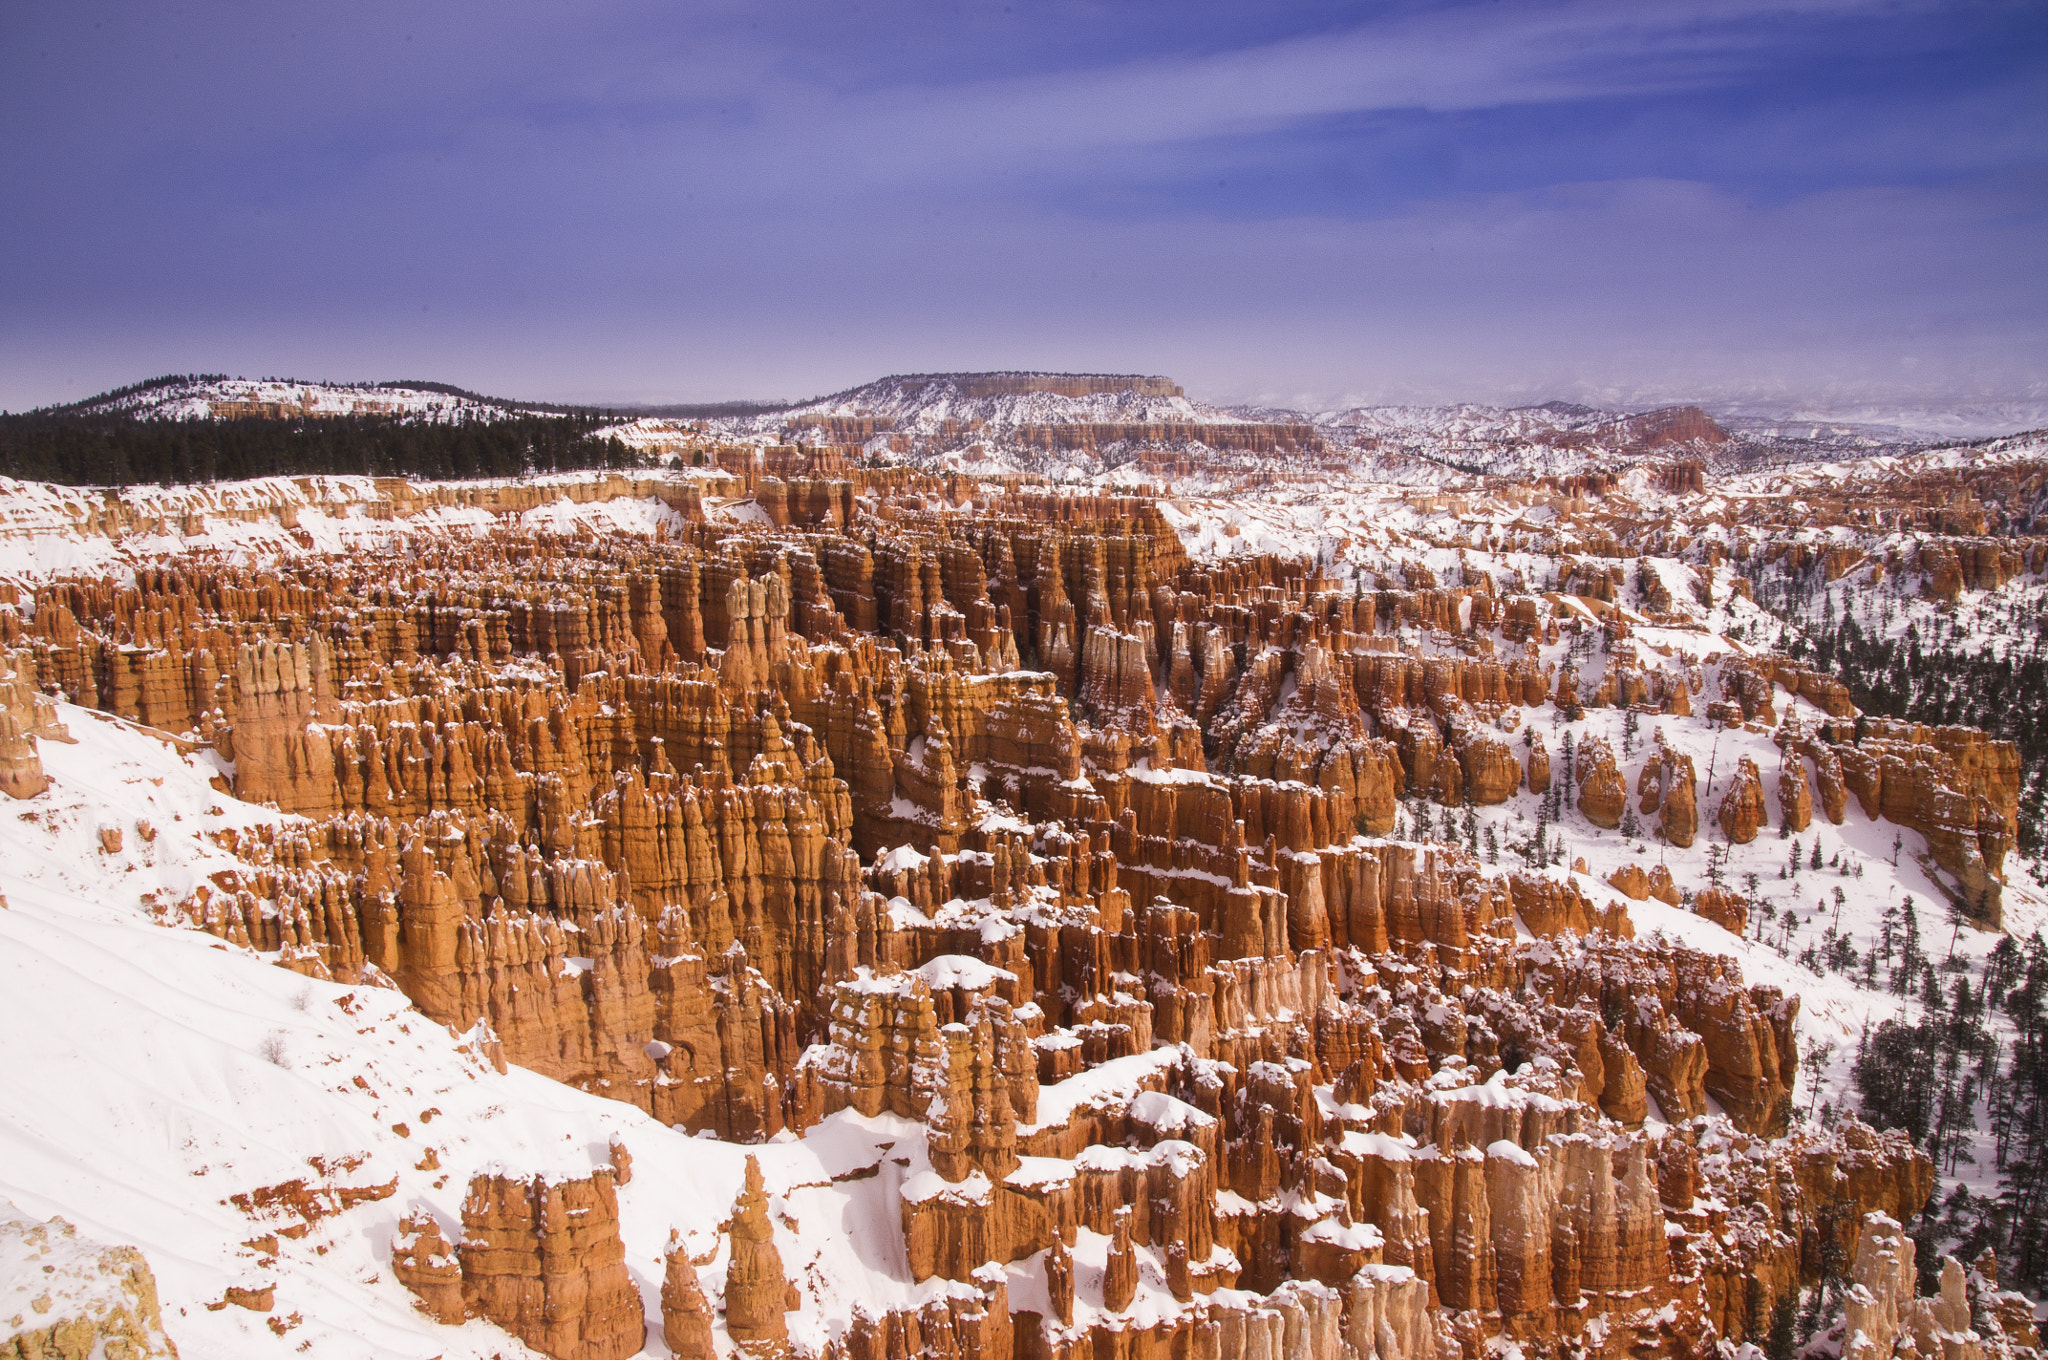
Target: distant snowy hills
x: 1925, y: 422
x: 215, y: 397
x: 1096, y: 424
x: 1132, y: 427
x: 946, y: 409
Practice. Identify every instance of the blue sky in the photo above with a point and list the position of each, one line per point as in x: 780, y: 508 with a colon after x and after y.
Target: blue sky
x: 1294, y: 203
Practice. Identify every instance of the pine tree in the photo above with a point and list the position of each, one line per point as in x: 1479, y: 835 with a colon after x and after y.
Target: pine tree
x: 1783, y: 1342
x: 1909, y: 948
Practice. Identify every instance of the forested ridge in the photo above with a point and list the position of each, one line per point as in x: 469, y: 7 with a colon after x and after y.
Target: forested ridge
x: 1964, y: 1072
x: 103, y: 449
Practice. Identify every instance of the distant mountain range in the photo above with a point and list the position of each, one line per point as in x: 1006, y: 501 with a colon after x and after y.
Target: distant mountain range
x: 1092, y: 425
x: 215, y: 396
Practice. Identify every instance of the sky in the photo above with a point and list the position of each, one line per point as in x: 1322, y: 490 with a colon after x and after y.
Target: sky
x: 1621, y: 201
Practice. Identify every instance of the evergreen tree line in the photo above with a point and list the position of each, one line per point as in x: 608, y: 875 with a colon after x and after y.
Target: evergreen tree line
x: 117, y: 450
x: 1928, y: 1077
x: 1943, y: 674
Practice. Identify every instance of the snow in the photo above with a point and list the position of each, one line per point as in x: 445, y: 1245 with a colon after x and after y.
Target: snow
x: 48, y: 530
x: 1041, y: 1173
x: 50, y: 1275
x: 1509, y: 1151
x: 1354, y: 1236
x: 899, y: 859
x: 645, y: 516
x: 1380, y: 1145
x: 214, y: 1073
x: 929, y: 1185
x: 1367, y: 533
x: 964, y: 970
x: 1117, y: 1081
x: 1167, y: 1114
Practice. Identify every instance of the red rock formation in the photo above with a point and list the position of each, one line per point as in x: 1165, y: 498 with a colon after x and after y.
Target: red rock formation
x: 685, y: 1312
x: 756, y: 1293
x: 542, y: 1258
x: 78, y: 1298
x: 1795, y: 794
x: 1120, y: 1275
x: 1669, y: 787
x: 753, y: 826
x: 1724, y: 908
x: 1954, y: 786
x: 1742, y: 807
x: 1603, y: 793
x: 25, y: 715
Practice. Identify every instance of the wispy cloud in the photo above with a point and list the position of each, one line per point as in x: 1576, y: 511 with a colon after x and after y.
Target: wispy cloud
x: 1448, y: 59
x: 636, y: 199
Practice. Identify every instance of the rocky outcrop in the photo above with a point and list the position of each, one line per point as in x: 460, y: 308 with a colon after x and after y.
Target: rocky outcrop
x: 1795, y: 794
x: 1724, y: 908
x: 1669, y: 788
x: 1491, y: 773
x: 1603, y: 793
x: 686, y: 1315
x: 1880, y: 1311
x: 25, y: 716
x: 756, y: 1293
x: 541, y: 1257
x: 63, y: 1297
x: 21, y: 767
x: 1742, y: 807
x: 766, y: 822
x: 1954, y: 786
x: 426, y: 1263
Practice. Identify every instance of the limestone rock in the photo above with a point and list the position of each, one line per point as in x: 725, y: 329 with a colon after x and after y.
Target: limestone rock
x: 1120, y: 1278
x: 1724, y: 908
x: 756, y: 1292
x: 686, y: 1314
x: 1491, y: 772
x: 1668, y: 786
x: 542, y: 1258
x: 1795, y: 793
x: 1538, y: 778
x: 756, y: 823
x: 63, y: 1297
x: 1742, y: 807
x: 1603, y: 794
x: 426, y: 1263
